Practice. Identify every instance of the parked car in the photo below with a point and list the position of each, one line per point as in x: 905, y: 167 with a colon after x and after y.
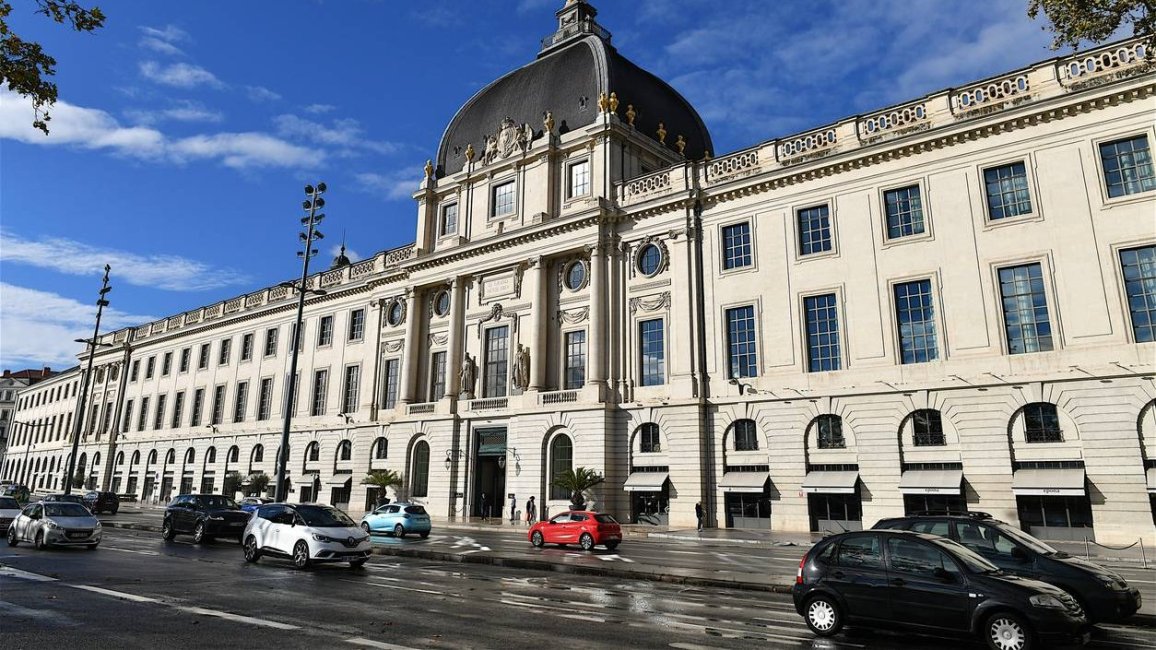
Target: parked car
x: 16, y: 491
x: 926, y: 583
x: 305, y: 533
x: 249, y: 504
x: 54, y: 523
x: 9, y: 510
x: 98, y: 502
x: 205, y: 516
x: 63, y: 498
x: 1103, y: 594
x: 398, y: 519
x: 587, y: 529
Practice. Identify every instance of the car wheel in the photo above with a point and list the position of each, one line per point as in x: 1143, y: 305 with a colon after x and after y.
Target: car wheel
x: 252, y: 553
x: 610, y: 546
x: 357, y: 564
x: 823, y: 616
x: 301, y: 555
x: 365, y: 527
x: 1007, y: 631
x: 536, y: 539
x: 425, y: 534
x: 12, y: 539
x: 587, y: 542
x: 399, y: 531
x: 199, y: 535
x: 167, y: 532
x: 40, y: 543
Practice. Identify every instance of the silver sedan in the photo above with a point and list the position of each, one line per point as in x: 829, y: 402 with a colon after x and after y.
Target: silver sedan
x: 55, y: 524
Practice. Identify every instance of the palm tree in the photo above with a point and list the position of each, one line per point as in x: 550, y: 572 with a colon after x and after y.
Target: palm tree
x: 258, y: 481
x: 383, y: 479
x: 577, y: 482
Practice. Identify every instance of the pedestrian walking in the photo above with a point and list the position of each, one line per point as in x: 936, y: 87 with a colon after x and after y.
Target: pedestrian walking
x: 513, y: 509
x: 531, y: 511
x: 698, y: 513
x: 485, y: 508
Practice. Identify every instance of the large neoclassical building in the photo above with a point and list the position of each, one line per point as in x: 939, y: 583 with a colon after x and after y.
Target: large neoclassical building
x: 947, y: 303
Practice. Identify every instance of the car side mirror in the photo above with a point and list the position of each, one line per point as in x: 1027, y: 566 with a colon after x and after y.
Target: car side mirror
x: 1019, y: 554
x: 942, y: 574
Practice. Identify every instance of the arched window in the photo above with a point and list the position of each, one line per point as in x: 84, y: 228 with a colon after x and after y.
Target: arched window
x: 345, y: 451
x: 1042, y: 423
x: 420, y: 472
x: 120, y: 458
x: 190, y: 456
x: 233, y: 455
x: 258, y: 455
x: 96, y: 461
x: 312, y: 452
x: 649, y: 440
x: 927, y: 428
x: 170, y: 456
x: 380, y: 449
x: 828, y: 430
x: 135, y: 460
x: 745, y: 435
x: 561, y: 460
x: 80, y: 464
x: 210, y: 456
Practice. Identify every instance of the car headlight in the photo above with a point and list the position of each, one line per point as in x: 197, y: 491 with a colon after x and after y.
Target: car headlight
x: 97, y: 526
x: 1111, y: 582
x: 1046, y: 601
x: 51, y: 524
x: 322, y: 538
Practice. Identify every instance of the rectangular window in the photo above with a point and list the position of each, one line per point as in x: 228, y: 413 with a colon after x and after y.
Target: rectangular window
x: 132, y: 376
x: 742, y: 358
x: 652, y: 347
x: 107, y: 421
x: 167, y: 364
x: 449, y: 219
x: 178, y: 409
x: 814, y: 230
x: 150, y: 367
x: 265, y: 403
x: 186, y: 355
x: 579, y: 179
x: 320, y: 381
x: 325, y: 331
x: 125, y: 423
x: 496, y: 367
x: 159, y: 416
x: 356, y: 324
x: 247, y: 346
x: 1007, y: 191
x: 915, y: 318
x: 1139, y: 266
x: 218, y: 405
x: 203, y: 357
x: 293, y: 337
x: 271, y: 341
x: 437, y: 373
x: 242, y: 401
x: 904, y: 212
x: 389, y: 399
x: 1128, y: 166
x: 503, y: 199
x: 575, y: 371
x: 822, y: 333
x: 226, y: 347
x: 1025, y: 309
x: 144, y: 414
x: 349, y: 402
x: 198, y: 406
x: 736, y: 245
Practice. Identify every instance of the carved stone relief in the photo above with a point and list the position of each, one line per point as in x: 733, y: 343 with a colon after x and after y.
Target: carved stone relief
x: 650, y: 303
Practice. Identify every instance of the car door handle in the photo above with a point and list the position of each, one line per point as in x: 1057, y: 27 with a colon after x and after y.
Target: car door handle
x: 898, y: 582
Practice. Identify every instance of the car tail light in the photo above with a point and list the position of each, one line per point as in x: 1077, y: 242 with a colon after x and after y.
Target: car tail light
x: 799, y: 575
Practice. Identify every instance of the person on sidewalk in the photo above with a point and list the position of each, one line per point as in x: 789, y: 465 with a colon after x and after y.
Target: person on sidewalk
x: 531, y: 511
x: 513, y: 509
x: 698, y: 514
x: 485, y: 508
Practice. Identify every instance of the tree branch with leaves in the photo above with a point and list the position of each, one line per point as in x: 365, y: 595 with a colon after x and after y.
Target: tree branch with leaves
x: 1074, y: 22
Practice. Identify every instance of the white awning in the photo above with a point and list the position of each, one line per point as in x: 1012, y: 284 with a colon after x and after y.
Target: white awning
x: 1049, y: 482
x: 340, y: 479
x: 830, y: 482
x: 744, y: 481
x: 302, y: 481
x: 645, y: 482
x: 931, y: 481
x: 1152, y: 479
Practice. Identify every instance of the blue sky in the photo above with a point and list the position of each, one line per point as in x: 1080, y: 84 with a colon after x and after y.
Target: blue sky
x: 186, y: 130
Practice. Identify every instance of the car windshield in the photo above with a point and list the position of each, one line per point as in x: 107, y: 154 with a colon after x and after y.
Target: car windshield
x: 605, y: 519
x: 415, y: 510
x: 975, y: 562
x: 8, y: 503
x: 217, y: 501
x: 1027, y: 540
x: 65, y: 510
x: 323, y: 517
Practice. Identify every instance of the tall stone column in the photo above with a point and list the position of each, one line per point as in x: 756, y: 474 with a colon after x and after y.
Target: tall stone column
x: 409, y: 359
x: 540, y: 318
x: 597, y: 315
x: 454, y: 345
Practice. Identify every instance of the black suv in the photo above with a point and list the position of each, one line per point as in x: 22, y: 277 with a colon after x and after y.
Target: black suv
x: 926, y: 583
x: 1104, y: 595
x: 206, y: 516
x: 102, y: 502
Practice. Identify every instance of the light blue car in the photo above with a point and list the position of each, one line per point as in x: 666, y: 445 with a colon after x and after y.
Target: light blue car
x: 399, y: 519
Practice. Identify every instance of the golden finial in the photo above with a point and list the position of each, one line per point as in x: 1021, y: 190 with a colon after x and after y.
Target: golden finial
x: 630, y: 114
x: 680, y: 144
x: 613, y: 102
x: 661, y: 133
x: 470, y: 152
x: 548, y: 122
x: 603, y: 103
x: 429, y: 169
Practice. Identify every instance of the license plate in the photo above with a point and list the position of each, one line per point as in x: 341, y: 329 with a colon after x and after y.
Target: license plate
x: 77, y: 535
x: 236, y: 523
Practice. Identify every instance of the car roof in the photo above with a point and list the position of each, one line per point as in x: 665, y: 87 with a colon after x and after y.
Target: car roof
x: 959, y: 516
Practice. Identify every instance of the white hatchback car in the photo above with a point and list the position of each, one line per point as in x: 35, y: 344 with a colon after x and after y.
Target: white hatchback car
x: 305, y: 533
x: 9, y: 511
x: 55, y: 523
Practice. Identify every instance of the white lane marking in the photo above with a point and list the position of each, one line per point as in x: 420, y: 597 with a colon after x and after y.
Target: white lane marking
x: 129, y: 550
x: 24, y: 575
x: 377, y: 644
x: 117, y: 594
x: 378, y: 584
x: 240, y: 619
x: 612, y: 558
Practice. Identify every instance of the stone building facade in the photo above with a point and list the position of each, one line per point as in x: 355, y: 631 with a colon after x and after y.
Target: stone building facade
x: 944, y: 304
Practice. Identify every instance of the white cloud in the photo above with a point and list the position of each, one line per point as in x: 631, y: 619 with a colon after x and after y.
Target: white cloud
x: 397, y: 185
x: 181, y: 111
x: 346, y: 133
x: 241, y: 150
x: 179, y: 75
x: 317, y: 109
x: 38, y: 327
x: 168, y: 272
x: 168, y: 33
x: 162, y: 47
x: 261, y: 94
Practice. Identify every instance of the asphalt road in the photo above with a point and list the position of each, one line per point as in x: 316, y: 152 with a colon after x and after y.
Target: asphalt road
x: 139, y: 591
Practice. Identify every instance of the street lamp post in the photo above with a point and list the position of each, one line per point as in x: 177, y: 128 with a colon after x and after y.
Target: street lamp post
x: 93, y: 343
x: 312, y: 204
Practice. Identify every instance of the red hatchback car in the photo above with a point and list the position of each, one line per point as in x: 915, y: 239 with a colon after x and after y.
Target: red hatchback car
x: 587, y: 529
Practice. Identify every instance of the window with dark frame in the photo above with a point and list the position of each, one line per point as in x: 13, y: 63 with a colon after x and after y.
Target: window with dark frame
x: 927, y: 428
x: 198, y: 405
x: 561, y: 461
x: 737, y: 246
x: 1025, y: 309
x: 652, y: 351
x: 496, y: 362
x: 150, y: 367
x: 1139, y: 270
x: 437, y: 376
x: 325, y: 331
x: 381, y: 449
x: 904, y: 208
x: 265, y: 401
x: 1007, y: 191
x: 313, y: 453
x: 390, y: 386
x: 579, y: 179
x: 132, y: 375
x: 344, y: 451
x: 915, y: 321
x: 320, y: 386
x: 356, y: 324
x: 203, y: 357
x: 159, y: 416
x: 649, y: 438
x: 649, y: 260
x: 420, y: 485
x: 742, y: 355
x: 126, y: 420
x: 166, y: 364
x: 822, y: 322
x: 218, y: 415
x: 247, y: 346
x: 350, y: 399
x: 178, y: 409
x: 1127, y: 166
x: 186, y: 355
x: 829, y: 431
x: 242, y: 401
x: 1042, y: 423
x: 226, y: 347
x: 271, y: 341
x: 574, y: 373
x: 746, y: 435
x: 814, y: 230
x: 449, y: 223
x: 503, y: 199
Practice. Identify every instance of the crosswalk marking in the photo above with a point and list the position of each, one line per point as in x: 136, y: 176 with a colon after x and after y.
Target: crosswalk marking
x: 116, y: 594
x: 24, y: 575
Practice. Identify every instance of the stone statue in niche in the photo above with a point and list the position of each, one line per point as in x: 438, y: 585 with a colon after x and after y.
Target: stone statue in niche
x: 522, y: 368
x: 468, y: 374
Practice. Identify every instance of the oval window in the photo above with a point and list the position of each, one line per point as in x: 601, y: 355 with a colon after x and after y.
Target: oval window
x: 576, y: 275
x: 649, y: 260
x: 396, y: 310
x: 442, y: 303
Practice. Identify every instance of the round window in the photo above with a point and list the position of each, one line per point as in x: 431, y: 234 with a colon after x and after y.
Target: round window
x: 442, y: 303
x: 576, y: 275
x: 396, y: 311
x: 649, y: 259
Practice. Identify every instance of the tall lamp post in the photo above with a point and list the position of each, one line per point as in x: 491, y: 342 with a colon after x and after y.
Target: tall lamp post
x: 93, y: 343
x: 312, y: 204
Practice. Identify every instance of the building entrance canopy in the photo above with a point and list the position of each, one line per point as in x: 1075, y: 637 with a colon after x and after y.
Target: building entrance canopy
x: 646, y: 481
x: 831, y: 482
x: 931, y: 481
x: 744, y: 481
x: 1068, y: 482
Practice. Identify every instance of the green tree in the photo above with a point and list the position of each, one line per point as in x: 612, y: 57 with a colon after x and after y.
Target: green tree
x: 577, y: 482
x: 1076, y: 21
x: 232, y: 484
x: 24, y: 65
x: 382, y: 479
x: 258, y: 481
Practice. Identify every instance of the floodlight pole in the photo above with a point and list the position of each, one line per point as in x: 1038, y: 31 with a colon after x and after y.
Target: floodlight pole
x: 101, y: 303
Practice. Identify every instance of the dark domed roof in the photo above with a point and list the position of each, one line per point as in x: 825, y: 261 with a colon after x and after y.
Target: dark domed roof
x: 576, y: 66
x: 341, y: 259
